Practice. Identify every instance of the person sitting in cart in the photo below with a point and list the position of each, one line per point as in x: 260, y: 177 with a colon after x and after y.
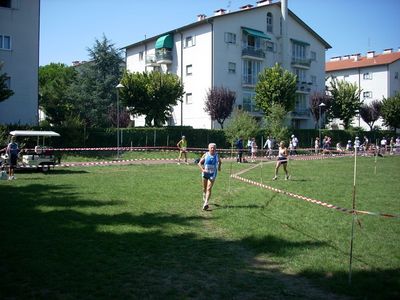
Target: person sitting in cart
x: 12, y: 151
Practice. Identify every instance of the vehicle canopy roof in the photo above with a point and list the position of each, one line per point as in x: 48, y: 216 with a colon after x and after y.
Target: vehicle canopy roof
x: 33, y: 133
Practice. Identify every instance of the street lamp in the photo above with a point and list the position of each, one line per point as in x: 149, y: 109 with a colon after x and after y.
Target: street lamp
x: 118, y: 87
x: 320, y: 106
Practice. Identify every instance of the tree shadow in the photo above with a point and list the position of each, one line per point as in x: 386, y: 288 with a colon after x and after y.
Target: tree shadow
x: 53, y: 247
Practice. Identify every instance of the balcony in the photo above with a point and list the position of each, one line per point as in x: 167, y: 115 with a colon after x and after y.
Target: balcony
x: 163, y: 56
x: 252, y: 52
x: 300, y: 113
x: 251, y: 107
x: 249, y: 80
x: 301, y: 62
x: 151, y: 61
x: 304, y: 87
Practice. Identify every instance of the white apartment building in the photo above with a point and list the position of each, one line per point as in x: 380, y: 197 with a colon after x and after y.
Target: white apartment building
x: 19, y: 54
x: 229, y: 49
x: 376, y: 75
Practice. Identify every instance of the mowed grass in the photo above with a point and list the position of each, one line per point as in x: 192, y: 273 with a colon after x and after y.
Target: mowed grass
x: 134, y: 232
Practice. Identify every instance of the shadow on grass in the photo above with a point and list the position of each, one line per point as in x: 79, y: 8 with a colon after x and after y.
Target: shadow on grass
x: 53, y: 247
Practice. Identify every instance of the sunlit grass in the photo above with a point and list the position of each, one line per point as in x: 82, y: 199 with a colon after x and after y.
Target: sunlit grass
x: 138, y: 231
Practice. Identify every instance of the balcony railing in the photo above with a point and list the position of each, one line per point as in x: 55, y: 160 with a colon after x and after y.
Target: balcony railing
x: 303, y: 86
x: 163, y: 56
x: 301, y: 113
x: 305, y: 62
x: 151, y: 60
x: 253, y: 52
x: 251, y: 107
x: 249, y: 80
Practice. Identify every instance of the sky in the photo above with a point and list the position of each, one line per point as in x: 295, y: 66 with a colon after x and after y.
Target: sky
x: 69, y: 27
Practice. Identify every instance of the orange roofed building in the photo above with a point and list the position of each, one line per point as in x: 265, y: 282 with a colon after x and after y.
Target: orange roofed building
x: 377, y: 75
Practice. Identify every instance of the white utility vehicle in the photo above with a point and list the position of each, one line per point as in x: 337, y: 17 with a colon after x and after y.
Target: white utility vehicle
x: 40, y: 157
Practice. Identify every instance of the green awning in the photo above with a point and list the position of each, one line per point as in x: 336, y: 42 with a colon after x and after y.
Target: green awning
x: 166, y: 41
x: 300, y: 42
x: 256, y: 33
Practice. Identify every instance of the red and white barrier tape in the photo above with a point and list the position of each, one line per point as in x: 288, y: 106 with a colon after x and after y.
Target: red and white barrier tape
x: 314, y: 201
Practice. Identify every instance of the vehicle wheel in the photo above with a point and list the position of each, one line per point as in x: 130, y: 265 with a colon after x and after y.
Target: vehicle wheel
x: 45, y: 168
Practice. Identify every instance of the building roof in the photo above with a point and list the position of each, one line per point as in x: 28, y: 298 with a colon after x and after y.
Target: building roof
x: 211, y: 18
x: 356, y: 61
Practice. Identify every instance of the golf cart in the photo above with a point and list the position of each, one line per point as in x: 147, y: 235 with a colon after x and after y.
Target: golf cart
x: 40, y: 157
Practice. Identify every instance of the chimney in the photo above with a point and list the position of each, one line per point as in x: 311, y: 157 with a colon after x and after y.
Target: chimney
x: 219, y: 12
x: 345, y: 57
x: 247, y: 6
x: 285, y: 40
x: 355, y: 56
x: 370, y: 54
x: 264, y: 2
x: 201, y: 17
x: 335, y: 58
x: 387, y: 51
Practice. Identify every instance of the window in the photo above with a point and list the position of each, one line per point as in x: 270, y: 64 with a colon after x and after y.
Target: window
x: 140, y: 55
x: 230, y: 38
x: 301, y: 103
x: 270, y: 46
x: 189, y: 98
x: 367, y: 95
x: 7, y: 82
x: 231, y: 67
x: 5, y: 42
x: 189, y: 41
x: 367, y: 76
x: 251, y: 68
x: 189, y: 69
x: 269, y: 22
x: 396, y: 75
x: 301, y: 75
x: 313, y: 79
x: 313, y: 55
x: 298, y: 51
x: 249, y: 103
x: 5, y: 3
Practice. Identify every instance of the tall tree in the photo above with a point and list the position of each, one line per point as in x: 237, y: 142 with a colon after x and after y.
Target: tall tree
x: 94, y: 90
x: 5, y: 92
x: 316, y: 99
x: 391, y: 111
x: 345, y: 101
x: 370, y: 113
x: 275, y: 121
x: 276, y: 85
x: 151, y: 94
x: 242, y: 124
x: 55, y: 81
x: 219, y: 104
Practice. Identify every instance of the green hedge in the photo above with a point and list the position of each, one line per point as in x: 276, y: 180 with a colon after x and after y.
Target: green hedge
x: 169, y: 136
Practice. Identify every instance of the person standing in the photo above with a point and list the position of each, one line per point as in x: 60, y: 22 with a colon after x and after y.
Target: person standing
x: 295, y: 144
x: 254, y: 148
x: 268, y: 145
x: 282, y: 160
x: 209, y: 164
x: 239, y: 147
x: 316, y: 145
x: 12, y: 152
x: 182, y: 145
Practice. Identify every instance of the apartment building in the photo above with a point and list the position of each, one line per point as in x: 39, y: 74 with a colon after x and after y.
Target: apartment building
x: 229, y: 49
x: 375, y: 74
x: 19, y: 55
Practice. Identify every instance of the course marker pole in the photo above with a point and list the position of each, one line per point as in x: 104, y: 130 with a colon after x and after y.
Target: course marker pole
x: 354, y: 214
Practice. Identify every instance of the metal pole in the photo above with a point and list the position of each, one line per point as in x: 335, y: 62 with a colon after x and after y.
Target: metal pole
x: 118, y: 87
x: 117, y: 122
x: 353, y: 214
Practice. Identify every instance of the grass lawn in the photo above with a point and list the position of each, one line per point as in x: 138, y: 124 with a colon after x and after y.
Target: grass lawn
x: 134, y: 232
